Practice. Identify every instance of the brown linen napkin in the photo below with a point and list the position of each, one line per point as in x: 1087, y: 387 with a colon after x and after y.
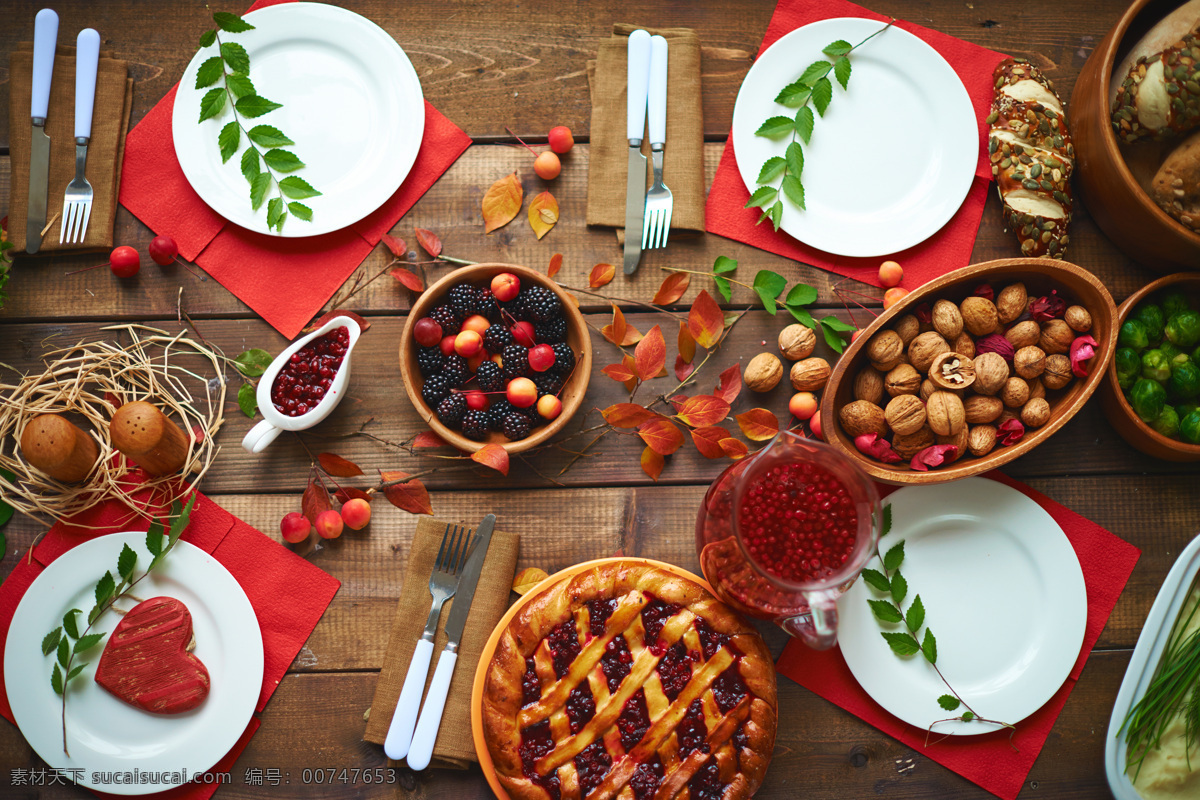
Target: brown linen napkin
x: 110, y: 122
x: 455, y: 747
x: 683, y: 157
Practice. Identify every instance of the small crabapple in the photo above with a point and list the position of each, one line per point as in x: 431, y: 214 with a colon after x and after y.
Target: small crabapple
x: 803, y: 405
x: 549, y: 406
x: 163, y: 250
x: 468, y: 344
x: 329, y: 524
x: 521, y: 392
x: 427, y: 332
x: 124, y: 262
x: 541, y: 357
x: 476, y: 400
x: 522, y: 333
x: 295, y: 527
x: 447, y: 344
x: 893, y: 296
x: 505, y: 287
x: 890, y: 273
x: 561, y: 139
x: 356, y: 513
x: 547, y: 166
x: 815, y: 424
x: 477, y: 323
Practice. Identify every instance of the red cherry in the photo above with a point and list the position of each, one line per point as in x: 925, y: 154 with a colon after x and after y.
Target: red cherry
x: 447, y: 345
x: 427, y: 332
x: 541, y: 357
x: 522, y: 333
x: 124, y: 262
x: 163, y: 250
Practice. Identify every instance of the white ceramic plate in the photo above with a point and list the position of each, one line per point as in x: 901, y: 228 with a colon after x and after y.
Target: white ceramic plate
x: 1003, y: 594
x: 106, y: 734
x: 894, y: 156
x: 352, y: 103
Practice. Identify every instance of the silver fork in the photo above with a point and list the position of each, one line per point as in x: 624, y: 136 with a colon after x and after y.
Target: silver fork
x: 77, y: 202
x: 443, y: 582
x: 659, y: 203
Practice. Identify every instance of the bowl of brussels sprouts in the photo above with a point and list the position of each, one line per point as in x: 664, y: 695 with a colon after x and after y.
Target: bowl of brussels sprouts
x: 1151, y: 393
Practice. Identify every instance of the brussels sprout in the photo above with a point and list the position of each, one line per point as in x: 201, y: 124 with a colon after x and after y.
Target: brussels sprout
x: 1134, y: 334
x: 1189, y: 427
x: 1152, y: 317
x: 1170, y: 348
x: 1196, y: 355
x: 1129, y: 366
x: 1186, y: 407
x: 1179, y: 360
x: 1166, y: 423
x: 1147, y: 398
x: 1183, y: 329
x: 1184, y: 381
x: 1172, y: 302
x: 1155, y: 365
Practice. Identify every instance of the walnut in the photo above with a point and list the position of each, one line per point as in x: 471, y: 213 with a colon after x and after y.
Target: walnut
x: 981, y: 439
x: 862, y: 417
x: 797, y: 341
x: 964, y: 345
x: 908, y: 445
x: 946, y: 319
x: 885, y: 349
x: 925, y: 348
x: 1015, y: 392
x: 902, y: 379
x: 991, y: 371
x: 1023, y: 334
x: 905, y: 414
x: 981, y: 409
x: 945, y: 413
x: 1079, y: 319
x: 1058, y: 371
x: 810, y: 374
x: 952, y: 371
x: 959, y: 440
x: 979, y: 315
x: 1036, y: 389
x: 1029, y: 362
x: 1005, y: 417
x: 868, y: 385
x: 763, y: 372
x: 928, y: 387
x: 1010, y: 303
x: 908, y: 327
x: 1056, y: 337
x: 1035, y: 413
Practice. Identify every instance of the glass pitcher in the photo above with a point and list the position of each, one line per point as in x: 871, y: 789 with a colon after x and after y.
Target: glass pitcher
x: 774, y: 529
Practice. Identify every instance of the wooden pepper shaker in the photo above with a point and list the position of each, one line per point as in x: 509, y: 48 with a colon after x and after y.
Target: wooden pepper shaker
x: 144, y: 434
x: 57, y: 447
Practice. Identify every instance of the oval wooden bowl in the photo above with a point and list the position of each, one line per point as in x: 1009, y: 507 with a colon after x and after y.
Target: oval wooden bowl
x: 577, y: 337
x: 1116, y: 406
x: 1113, y: 196
x: 1040, y: 275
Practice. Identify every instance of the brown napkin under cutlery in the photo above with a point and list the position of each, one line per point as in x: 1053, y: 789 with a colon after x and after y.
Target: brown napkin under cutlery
x: 455, y: 747
x: 683, y: 159
x: 110, y: 122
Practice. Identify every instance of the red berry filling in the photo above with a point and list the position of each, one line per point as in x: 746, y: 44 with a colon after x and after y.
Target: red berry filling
x: 309, y: 372
x: 563, y: 642
x: 581, y: 707
x: 675, y: 669
x: 646, y: 779
x: 598, y: 613
x: 592, y: 764
x: 692, y: 732
x: 710, y: 640
x: 531, y: 685
x: 654, y: 616
x: 729, y: 689
x: 706, y: 783
x: 536, y: 742
x: 634, y: 721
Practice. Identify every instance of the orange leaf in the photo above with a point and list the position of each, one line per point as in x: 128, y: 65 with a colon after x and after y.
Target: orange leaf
x: 429, y: 241
x: 410, y: 280
x: 672, y: 289
x: 494, y: 456
x: 314, y: 501
x: 677, y: 401
x: 572, y: 298
x: 397, y: 246
x: 682, y: 368
x: 627, y: 415
x: 363, y: 324
x: 601, y: 274
x: 615, y: 332
x: 410, y: 496
x: 734, y: 448
x: 758, y: 424
x: 555, y: 265
x: 652, y: 463
x: 708, y: 441
x: 348, y: 493
x: 527, y: 579
x: 543, y: 213
x: 703, y: 410
x: 650, y: 354
x: 429, y: 439
x: 618, y: 372
x: 392, y: 476
x: 501, y: 202
x: 730, y: 385
x: 628, y: 363
x: 661, y: 435
x: 687, y: 344
x: 337, y: 466
x: 706, y: 321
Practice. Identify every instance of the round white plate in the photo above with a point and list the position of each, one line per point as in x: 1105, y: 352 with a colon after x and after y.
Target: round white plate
x: 352, y: 103
x: 106, y: 734
x: 1003, y: 594
x: 894, y: 156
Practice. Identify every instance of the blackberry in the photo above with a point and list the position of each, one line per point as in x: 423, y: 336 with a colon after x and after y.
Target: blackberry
x: 475, y: 424
x: 499, y: 409
x: 551, y: 331
x: 548, y: 383
x: 516, y: 361
x: 429, y: 361
x: 455, y: 370
x: 435, y: 390
x: 515, y: 426
x: 490, y: 376
x: 447, y: 317
x: 485, y: 304
x: 539, y: 304
x: 450, y: 411
x: 496, y: 338
x: 462, y: 298
x: 564, y: 359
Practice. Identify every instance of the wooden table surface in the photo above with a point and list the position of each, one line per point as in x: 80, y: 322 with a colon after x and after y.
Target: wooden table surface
x: 491, y: 65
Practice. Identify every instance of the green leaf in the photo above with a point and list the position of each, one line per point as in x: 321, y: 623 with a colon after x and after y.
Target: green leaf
x: 948, y: 702
x: 877, y: 580
x: 794, y: 95
x: 231, y: 23
x: 899, y: 588
x: 769, y: 285
x: 886, y: 526
x: 64, y: 651
x: 212, y: 103
x: 815, y: 70
x: 88, y: 642
x: 822, y: 94
x: 75, y: 671
x: 179, y: 521
x: 968, y: 716
x: 268, y: 136
x: 126, y: 561
x: 56, y: 680
x: 724, y: 265
x: 771, y: 170
x: 802, y: 316
x: 282, y: 160
x: 804, y: 123
x: 775, y: 127
x: 69, y: 625
x: 51, y: 641
x: 801, y: 295
x: 902, y: 644
x: 253, y: 105
x: 838, y: 48
x: 832, y: 338
x: 795, y: 159
x: 841, y: 71
x: 297, y: 188
x: 725, y: 288
x: 835, y: 324
x: 250, y: 166
x: 209, y: 72
x: 94, y: 614
x: 894, y: 557
x: 207, y: 38
x: 776, y: 212
x: 240, y: 85
x: 275, y: 213
x: 154, y: 538
x: 248, y: 400
x: 915, y: 617
x: 885, y: 611
x: 235, y: 56
x: 228, y: 140
x: 104, y: 588
x: 762, y: 197
x: 794, y: 190
x: 300, y: 210
x: 253, y: 362
x: 258, y: 189
x: 929, y: 647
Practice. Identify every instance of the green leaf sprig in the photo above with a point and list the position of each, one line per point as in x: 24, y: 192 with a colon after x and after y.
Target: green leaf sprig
x: 812, y: 89
x: 252, y: 364
x: 67, y: 641
x: 261, y: 168
x: 5, y: 260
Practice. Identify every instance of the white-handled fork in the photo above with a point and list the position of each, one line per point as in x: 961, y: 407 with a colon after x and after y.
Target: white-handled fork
x: 77, y: 202
x: 659, y: 203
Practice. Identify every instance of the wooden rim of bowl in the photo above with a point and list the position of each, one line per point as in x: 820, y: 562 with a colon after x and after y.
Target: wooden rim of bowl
x: 1110, y: 374
x: 572, y: 393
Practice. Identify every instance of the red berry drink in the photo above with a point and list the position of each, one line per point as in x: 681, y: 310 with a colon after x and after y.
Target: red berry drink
x: 309, y: 372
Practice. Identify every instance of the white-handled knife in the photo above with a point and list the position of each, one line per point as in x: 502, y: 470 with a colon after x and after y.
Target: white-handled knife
x: 45, y: 40
x: 635, y: 122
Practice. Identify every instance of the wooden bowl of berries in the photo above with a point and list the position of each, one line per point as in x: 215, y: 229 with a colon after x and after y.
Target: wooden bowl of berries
x: 495, y: 354
x: 971, y: 370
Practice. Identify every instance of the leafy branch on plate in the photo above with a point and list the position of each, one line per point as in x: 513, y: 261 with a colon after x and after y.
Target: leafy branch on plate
x: 67, y: 641
x: 261, y: 168
x: 812, y: 89
x: 909, y: 641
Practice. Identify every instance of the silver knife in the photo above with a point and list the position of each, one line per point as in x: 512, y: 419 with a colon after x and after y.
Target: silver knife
x: 421, y: 750
x: 45, y: 40
x: 635, y: 122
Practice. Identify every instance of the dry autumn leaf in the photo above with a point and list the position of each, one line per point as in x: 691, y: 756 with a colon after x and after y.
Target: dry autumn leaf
x: 314, y: 501
x: 686, y: 343
x: 758, y: 424
x: 410, y: 496
x: 429, y: 439
x: 555, y: 265
x: 677, y: 401
x: 627, y: 415
x: 632, y: 383
x: 662, y: 435
x: 348, y: 493
x: 683, y: 369
x: 672, y: 289
x: 429, y: 241
x: 652, y: 463
x: 527, y: 579
x: 703, y: 410
x: 501, y: 202
x: 397, y: 246
x: 650, y: 355
x: 600, y: 275
x: 618, y: 372
x: 706, y: 321
x: 543, y: 213
x: 730, y: 384
x: 494, y: 456
x: 408, y: 279
x: 615, y: 331
x: 337, y: 466
x: 734, y: 448
x: 708, y: 440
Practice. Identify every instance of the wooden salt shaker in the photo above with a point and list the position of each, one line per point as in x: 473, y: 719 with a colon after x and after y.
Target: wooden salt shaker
x: 144, y: 434
x: 57, y: 447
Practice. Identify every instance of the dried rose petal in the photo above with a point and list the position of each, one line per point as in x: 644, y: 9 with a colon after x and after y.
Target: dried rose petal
x: 1083, y: 348
x: 995, y: 343
x: 924, y: 314
x: 985, y: 290
x: 871, y: 445
x: 1048, y: 307
x: 1010, y: 432
x: 934, y: 456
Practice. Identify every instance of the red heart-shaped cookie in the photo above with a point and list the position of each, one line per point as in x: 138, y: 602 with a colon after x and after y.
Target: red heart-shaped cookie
x: 146, y: 662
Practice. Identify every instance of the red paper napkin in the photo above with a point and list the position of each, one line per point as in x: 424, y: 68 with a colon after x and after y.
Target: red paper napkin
x: 987, y: 760
x: 288, y: 593
x: 948, y: 249
x: 252, y: 265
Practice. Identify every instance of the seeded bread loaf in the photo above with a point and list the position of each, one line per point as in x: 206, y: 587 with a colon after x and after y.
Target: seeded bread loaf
x: 1176, y: 186
x: 1155, y: 91
x: 1032, y: 158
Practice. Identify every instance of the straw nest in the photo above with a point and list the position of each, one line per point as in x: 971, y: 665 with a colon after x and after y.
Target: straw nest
x: 87, y: 382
